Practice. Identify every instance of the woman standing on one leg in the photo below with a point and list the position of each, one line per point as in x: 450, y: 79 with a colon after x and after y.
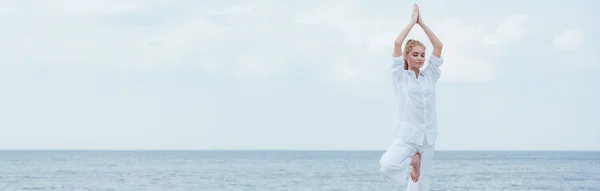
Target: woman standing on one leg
x: 415, y: 128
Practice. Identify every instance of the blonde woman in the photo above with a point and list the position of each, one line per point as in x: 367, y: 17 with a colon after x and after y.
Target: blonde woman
x: 415, y: 129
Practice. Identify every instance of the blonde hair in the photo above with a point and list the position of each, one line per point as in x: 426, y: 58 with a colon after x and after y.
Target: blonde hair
x: 408, y: 47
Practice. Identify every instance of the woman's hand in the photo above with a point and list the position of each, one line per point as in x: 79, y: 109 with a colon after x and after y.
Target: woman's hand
x: 415, y: 14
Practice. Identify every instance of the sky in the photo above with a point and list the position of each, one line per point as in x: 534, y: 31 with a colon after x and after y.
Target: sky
x: 292, y: 75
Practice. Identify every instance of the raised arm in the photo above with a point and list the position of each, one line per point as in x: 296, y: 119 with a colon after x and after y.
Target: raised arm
x: 437, y: 44
x: 402, y: 36
x: 435, y: 61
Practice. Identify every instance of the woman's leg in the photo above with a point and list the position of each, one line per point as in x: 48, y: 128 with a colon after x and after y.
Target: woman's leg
x: 395, y: 162
x: 424, y: 181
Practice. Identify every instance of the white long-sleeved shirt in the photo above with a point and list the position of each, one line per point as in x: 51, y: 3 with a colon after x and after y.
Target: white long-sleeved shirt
x: 416, y: 118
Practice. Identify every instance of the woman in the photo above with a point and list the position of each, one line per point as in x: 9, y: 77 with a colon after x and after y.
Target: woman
x: 415, y: 129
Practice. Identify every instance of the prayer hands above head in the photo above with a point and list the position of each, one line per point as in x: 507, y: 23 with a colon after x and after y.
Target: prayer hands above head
x: 415, y: 15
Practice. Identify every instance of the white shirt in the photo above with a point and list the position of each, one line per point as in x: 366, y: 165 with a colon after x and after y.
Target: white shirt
x: 416, y: 118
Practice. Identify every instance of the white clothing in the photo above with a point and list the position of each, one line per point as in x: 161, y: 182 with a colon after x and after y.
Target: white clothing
x: 416, y: 118
x: 415, y: 128
x: 395, y: 164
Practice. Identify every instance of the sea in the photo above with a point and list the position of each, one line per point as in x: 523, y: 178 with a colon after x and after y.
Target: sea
x: 291, y: 170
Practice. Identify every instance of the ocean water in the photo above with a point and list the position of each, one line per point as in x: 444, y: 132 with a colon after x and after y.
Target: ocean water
x: 289, y: 170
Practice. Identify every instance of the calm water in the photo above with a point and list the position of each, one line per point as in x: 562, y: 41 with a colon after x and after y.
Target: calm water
x: 288, y: 170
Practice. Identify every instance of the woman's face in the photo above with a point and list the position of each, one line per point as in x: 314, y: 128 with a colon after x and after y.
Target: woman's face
x: 415, y: 57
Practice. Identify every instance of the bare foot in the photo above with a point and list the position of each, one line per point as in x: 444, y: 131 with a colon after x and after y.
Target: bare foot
x: 416, y: 165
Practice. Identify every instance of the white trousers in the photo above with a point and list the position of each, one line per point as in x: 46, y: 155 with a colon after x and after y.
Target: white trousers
x: 395, y: 164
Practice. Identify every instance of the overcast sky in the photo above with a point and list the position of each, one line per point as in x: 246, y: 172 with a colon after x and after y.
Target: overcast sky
x: 309, y: 75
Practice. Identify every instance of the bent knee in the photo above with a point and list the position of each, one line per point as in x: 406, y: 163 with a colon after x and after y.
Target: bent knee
x: 388, y: 168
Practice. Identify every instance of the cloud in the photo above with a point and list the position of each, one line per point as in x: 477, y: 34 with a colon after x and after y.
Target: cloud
x: 89, y: 11
x: 75, y: 33
x: 336, y: 42
x: 232, y: 10
x: 128, y: 34
x: 569, y: 39
x: 508, y: 31
x: 80, y: 7
x: 187, y: 41
x: 257, y: 63
x: 6, y: 8
x: 342, y: 72
x: 469, y: 50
